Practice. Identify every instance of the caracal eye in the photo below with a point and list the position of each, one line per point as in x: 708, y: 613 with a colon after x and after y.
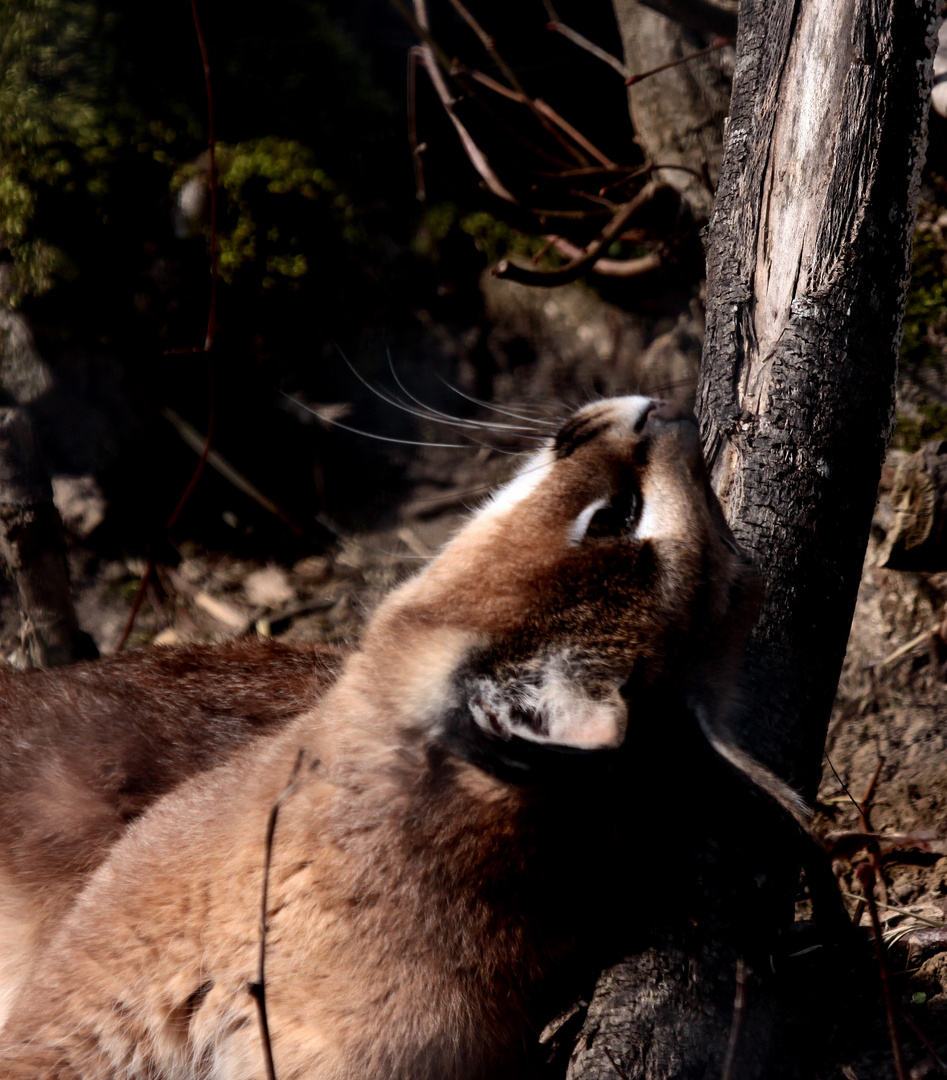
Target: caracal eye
x: 614, y: 518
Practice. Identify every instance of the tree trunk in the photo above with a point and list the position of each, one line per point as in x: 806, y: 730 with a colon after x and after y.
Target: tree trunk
x: 31, y: 542
x: 808, y: 263
x: 807, y: 267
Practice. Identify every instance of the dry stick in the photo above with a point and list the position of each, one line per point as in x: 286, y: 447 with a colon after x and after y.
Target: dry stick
x: 464, y: 76
x: 417, y: 148
x: 197, y: 442
x: 864, y: 807
x: 258, y: 989
x: 546, y: 110
x: 599, y: 200
x: 913, y: 1025
x: 739, y: 1005
x: 209, y: 334
x: 719, y: 44
x: 488, y: 42
x: 477, y: 157
x: 866, y: 878
x: 864, y: 823
x: 900, y: 911
x: 902, y: 650
x: 614, y: 1064
x: 557, y: 27
x: 569, y: 272
x: 641, y: 170
x: 619, y: 268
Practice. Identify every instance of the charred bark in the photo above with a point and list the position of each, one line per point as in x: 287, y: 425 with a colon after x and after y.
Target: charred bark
x: 808, y: 259
x: 808, y: 263
x: 32, y: 543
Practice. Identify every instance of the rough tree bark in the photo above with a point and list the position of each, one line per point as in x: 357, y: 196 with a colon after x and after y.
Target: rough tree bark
x: 32, y: 544
x: 807, y: 267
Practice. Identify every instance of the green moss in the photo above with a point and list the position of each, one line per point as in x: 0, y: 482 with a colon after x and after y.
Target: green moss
x: 277, y: 204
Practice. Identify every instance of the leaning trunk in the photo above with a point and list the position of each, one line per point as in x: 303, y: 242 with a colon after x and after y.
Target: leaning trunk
x: 808, y: 261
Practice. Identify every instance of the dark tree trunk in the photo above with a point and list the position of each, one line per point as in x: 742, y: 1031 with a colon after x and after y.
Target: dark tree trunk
x: 33, y: 546
x: 807, y: 266
x: 808, y: 263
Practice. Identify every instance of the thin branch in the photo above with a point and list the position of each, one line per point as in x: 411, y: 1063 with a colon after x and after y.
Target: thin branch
x: 422, y: 32
x: 620, y: 268
x: 211, y: 181
x: 599, y: 200
x: 619, y: 1071
x: 465, y: 77
x: 898, y: 910
x: 417, y: 148
x: 718, y: 44
x: 739, y: 1006
x: 258, y: 988
x: 194, y: 440
x: 572, y: 269
x: 902, y: 650
x: 541, y: 106
x: 866, y: 878
x: 489, y: 44
x: 864, y: 806
x: 477, y: 157
x: 556, y: 26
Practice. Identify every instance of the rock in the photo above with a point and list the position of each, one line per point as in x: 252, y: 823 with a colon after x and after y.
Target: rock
x: 269, y: 587
x: 80, y: 503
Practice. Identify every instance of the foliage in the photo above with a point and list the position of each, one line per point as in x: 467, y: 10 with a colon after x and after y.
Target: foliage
x: 102, y: 122
x: 273, y: 193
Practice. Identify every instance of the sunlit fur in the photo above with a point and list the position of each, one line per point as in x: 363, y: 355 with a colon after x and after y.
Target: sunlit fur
x: 424, y: 906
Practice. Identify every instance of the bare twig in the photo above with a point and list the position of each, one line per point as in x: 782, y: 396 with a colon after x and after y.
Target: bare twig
x: 619, y: 1071
x: 739, y: 1005
x: 899, y: 910
x: 227, y: 471
x: 902, y: 650
x: 477, y: 157
x: 258, y: 988
x: 542, y: 107
x: 576, y: 38
x: 864, y: 806
x: 718, y: 44
x: 866, y: 878
x: 622, y: 268
x: 931, y: 1049
x: 509, y: 74
x: 557, y: 26
x: 417, y: 148
x: 211, y: 182
x: 577, y: 266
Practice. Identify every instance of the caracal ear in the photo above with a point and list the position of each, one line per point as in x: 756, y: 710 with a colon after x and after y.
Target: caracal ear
x: 553, y: 713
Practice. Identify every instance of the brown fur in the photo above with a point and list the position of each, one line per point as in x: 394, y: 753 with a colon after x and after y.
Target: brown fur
x: 84, y: 750
x: 424, y: 910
